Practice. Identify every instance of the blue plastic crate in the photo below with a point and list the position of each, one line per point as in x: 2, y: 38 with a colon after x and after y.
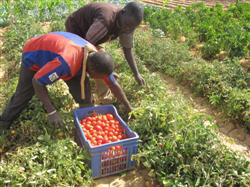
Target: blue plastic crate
x: 102, y: 164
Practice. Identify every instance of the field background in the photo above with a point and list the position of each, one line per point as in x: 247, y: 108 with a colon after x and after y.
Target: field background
x: 197, y: 87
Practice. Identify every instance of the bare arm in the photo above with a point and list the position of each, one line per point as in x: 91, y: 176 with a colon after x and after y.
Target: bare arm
x: 132, y: 64
x: 119, y: 93
x: 131, y: 60
x: 42, y: 93
x: 126, y: 41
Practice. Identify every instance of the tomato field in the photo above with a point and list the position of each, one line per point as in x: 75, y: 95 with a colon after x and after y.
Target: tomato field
x: 204, y: 48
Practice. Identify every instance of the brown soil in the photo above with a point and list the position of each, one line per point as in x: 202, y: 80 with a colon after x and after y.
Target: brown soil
x: 134, y: 178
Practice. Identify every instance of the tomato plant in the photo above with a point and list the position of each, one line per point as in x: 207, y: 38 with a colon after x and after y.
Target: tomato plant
x: 220, y: 30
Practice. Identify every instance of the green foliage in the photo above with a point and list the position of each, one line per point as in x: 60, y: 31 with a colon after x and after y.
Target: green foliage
x: 217, y: 80
x: 219, y: 30
x: 46, y: 163
x: 179, y: 146
x: 35, y: 153
x: 180, y: 151
x: 238, y: 100
x: 4, y: 13
x: 45, y: 10
x: 15, y: 39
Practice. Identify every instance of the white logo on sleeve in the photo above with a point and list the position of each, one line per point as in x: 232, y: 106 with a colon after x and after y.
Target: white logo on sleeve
x: 53, y: 77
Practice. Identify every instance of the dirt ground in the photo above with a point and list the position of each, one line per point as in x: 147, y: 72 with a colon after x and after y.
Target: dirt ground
x: 133, y: 178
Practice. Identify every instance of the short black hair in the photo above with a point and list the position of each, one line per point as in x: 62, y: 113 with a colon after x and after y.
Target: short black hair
x: 101, y: 62
x: 134, y: 9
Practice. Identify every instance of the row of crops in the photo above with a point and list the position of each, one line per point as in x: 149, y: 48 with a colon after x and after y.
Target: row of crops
x: 179, y: 146
x: 218, y: 29
x: 224, y: 82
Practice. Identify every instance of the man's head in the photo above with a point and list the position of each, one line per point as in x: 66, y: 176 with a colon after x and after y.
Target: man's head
x: 130, y: 17
x: 99, y: 65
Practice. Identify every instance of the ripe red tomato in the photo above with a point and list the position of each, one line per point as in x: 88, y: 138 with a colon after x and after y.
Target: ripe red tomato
x: 99, y: 138
x: 99, y: 142
x: 105, y: 140
x: 111, y: 133
x: 120, y: 129
x: 98, y: 128
x: 98, y: 117
x: 104, y: 125
x: 94, y: 142
x: 110, y: 116
x: 88, y: 126
x: 94, y: 135
x: 118, y: 147
x: 104, y: 118
x: 88, y: 136
x: 119, y: 137
x: 114, y: 138
x: 88, y: 119
x: 112, y: 148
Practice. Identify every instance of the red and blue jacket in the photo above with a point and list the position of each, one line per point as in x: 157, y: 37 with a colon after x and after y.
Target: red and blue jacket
x: 54, y: 55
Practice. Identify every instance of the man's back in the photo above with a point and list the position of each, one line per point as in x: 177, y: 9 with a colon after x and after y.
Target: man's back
x: 106, y: 13
x: 60, y: 49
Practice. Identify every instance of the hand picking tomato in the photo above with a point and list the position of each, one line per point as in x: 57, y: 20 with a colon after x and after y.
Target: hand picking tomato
x: 101, y: 129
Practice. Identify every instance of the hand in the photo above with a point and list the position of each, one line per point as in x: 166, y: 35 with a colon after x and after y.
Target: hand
x: 139, y: 79
x: 55, y: 119
x: 128, y: 109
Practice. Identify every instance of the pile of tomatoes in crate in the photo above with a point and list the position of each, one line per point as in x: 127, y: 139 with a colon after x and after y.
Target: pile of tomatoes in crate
x: 102, y: 128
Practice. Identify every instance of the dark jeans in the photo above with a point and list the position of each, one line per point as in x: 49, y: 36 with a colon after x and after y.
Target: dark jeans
x: 25, y: 91
x: 23, y: 94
